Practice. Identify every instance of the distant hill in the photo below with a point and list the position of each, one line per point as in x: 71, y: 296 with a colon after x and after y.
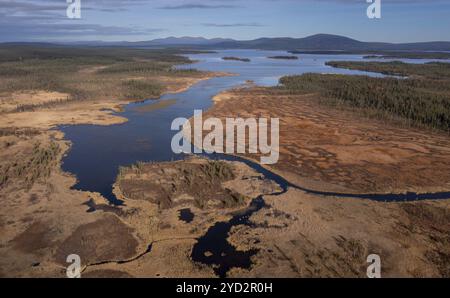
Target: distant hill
x: 188, y: 41
x: 318, y: 42
x: 331, y: 43
x: 35, y: 44
x: 177, y: 42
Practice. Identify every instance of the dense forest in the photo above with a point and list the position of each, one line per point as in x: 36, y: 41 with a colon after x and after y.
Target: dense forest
x: 422, y: 100
x: 431, y: 70
x: 382, y: 54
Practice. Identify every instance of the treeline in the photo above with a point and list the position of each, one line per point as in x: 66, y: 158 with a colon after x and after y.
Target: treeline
x: 382, y: 54
x: 10, y: 53
x: 410, y: 55
x: 143, y: 67
x: 432, y: 70
x: 418, y: 102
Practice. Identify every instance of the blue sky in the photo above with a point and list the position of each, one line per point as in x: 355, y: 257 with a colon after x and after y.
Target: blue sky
x: 133, y: 20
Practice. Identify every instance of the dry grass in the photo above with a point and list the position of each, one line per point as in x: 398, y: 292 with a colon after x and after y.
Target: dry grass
x: 36, y: 165
x: 14, y: 131
x: 434, y: 223
x: 165, y: 183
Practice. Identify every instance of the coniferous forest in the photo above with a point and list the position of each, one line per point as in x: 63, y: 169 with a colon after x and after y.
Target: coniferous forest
x: 421, y: 98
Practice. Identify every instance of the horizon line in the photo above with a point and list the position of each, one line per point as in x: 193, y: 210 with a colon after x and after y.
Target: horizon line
x: 211, y: 38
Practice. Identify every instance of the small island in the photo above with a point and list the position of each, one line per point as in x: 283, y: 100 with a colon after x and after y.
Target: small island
x: 236, y: 59
x: 284, y: 57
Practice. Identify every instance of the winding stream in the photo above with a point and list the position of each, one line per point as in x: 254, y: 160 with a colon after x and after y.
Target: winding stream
x: 97, y: 152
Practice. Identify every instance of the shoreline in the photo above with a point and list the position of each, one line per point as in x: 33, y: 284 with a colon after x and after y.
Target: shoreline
x: 89, y: 112
x: 103, y: 112
x: 99, y: 196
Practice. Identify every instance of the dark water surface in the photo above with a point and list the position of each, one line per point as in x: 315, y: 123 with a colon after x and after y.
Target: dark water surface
x: 97, y: 152
x: 186, y: 215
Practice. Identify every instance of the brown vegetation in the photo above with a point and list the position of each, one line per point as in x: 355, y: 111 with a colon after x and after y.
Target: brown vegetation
x: 172, y: 184
x: 106, y: 239
x: 36, y: 164
x: 338, y: 150
x: 41, y: 88
x: 332, y: 237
